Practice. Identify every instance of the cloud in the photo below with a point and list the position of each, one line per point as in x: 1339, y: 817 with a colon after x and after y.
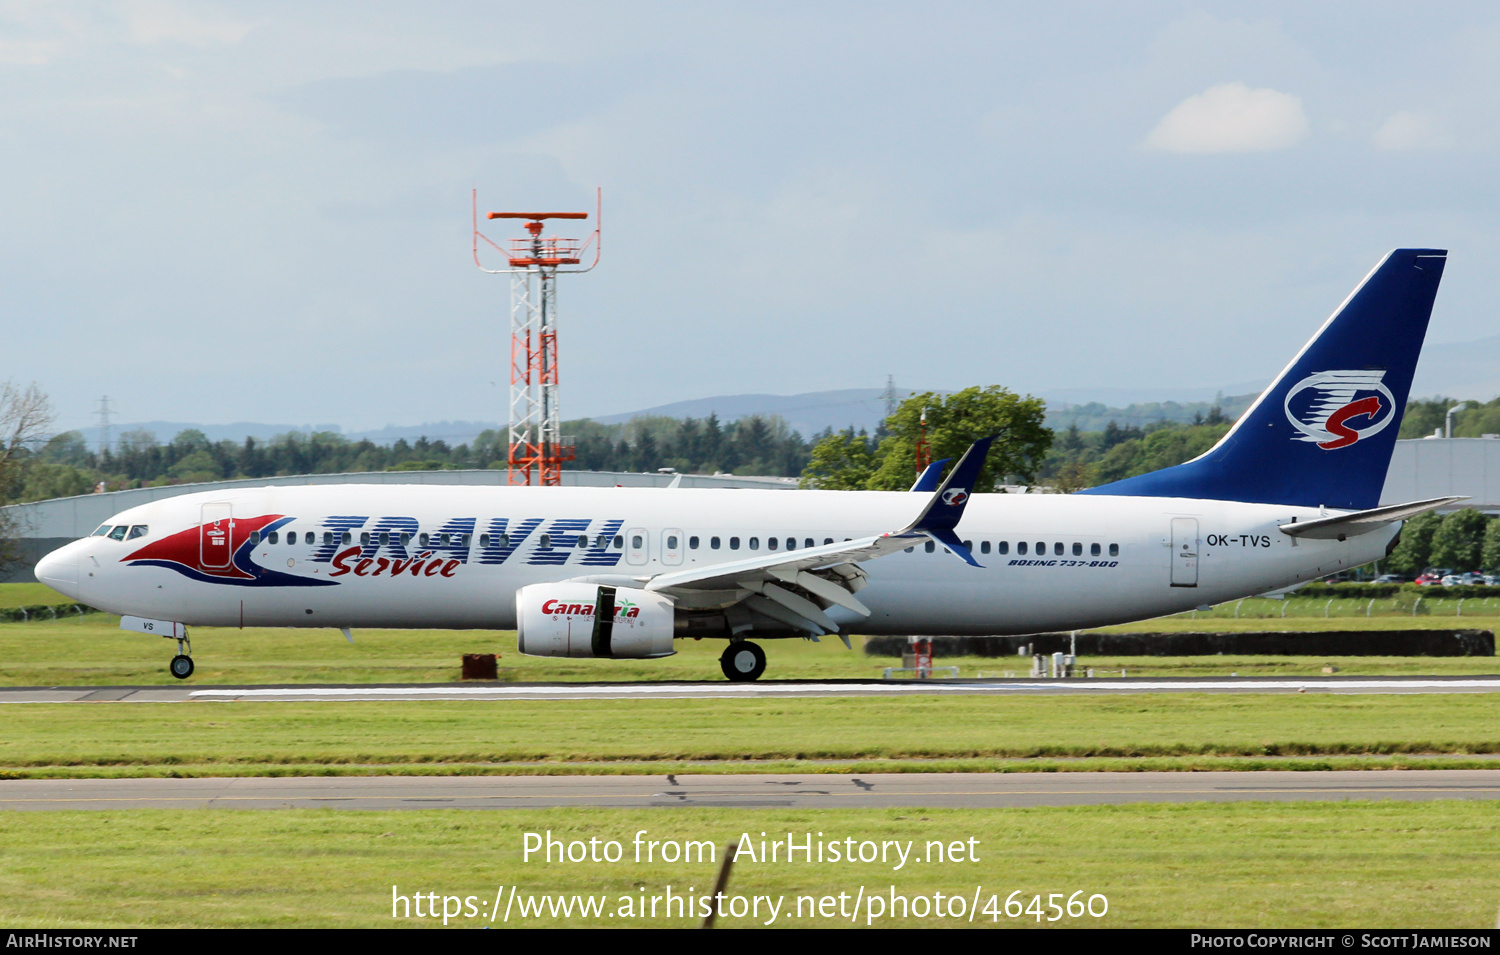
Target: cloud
x: 1406, y: 130
x: 157, y: 21
x: 1231, y: 118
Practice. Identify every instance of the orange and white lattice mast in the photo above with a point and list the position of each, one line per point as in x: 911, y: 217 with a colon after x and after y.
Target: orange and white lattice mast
x: 537, y: 443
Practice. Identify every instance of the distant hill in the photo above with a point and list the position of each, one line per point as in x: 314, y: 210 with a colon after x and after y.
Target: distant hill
x: 1454, y: 370
x: 806, y: 413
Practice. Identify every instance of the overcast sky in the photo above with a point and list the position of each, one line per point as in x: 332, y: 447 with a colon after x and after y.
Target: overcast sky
x: 260, y: 211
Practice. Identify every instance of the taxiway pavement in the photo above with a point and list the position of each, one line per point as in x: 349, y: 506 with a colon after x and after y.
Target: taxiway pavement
x: 876, y: 790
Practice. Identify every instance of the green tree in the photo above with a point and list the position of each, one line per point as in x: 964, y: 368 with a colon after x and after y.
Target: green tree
x: 1458, y: 541
x: 1412, y: 553
x: 953, y: 423
x: 840, y: 462
x: 1492, y: 547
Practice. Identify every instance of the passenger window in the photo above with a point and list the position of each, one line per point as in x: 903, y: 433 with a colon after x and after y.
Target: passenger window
x: 1021, y: 547
x: 422, y: 539
x: 770, y: 543
x: 969, y: 546
x: 385, y: 538
x: 1057, y: 549
x: 755, y: 543
x: 364, y: 539
x: 910, y: 549
x: 583, y: 541
x: 103, y: 529
x: 1004, y: 548
x: 671, y: 542
x: 1093, y: 550
x: 254, y: 538
x: 1077, y: 549
x: 713, y: 543
x: 809, y: 543
x: 929, y: 547
x: 347, y: 538
x: 484, y: 540
x: 273, y: 538
x: 1114, y: 550
x: 405, y: 538
x: 464, y: 539
x: 1041, y: 548
x: 328, y: 537
x: 692, y: 543
x: 504, y: 540
x: 734, y: 543
x: 636, y: 542
x: 984, y: 547
x: 828, y: 540
x: 445, y: 540
x: 310, y: 538
x: 791, y: 543
x: 619, y: 541
x: 138, y: 530
x: 546, y: 541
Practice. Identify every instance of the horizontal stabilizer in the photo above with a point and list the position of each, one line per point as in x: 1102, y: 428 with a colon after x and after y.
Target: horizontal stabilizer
x: 1363, y: 522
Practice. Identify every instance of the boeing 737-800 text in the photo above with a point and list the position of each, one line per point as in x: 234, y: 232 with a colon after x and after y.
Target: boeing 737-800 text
x: 1291, y: 493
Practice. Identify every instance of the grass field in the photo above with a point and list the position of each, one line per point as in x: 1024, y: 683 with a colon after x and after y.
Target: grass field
x: 1370, y: 865
x: 29, y: 595
x: 93, y: 650
x: 924, y: 733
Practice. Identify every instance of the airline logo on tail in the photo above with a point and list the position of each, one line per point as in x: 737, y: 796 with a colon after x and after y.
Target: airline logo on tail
x: 1335, y: 409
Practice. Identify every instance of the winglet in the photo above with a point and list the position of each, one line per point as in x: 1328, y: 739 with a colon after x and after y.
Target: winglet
x: 946, y: 507
x: 943, y: 511
x: 928, y: 480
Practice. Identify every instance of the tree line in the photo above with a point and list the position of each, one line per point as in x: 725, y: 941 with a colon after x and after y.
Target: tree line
x: 1461, y: 541
x: 65, y: 465
x: 35, y: 468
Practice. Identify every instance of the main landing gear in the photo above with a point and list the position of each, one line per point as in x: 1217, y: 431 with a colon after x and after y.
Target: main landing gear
x: 182, y: 665
x: 743, y: 661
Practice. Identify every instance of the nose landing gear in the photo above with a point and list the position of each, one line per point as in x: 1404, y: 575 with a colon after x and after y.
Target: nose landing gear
x: 182, y: 665
x: 743, y: 661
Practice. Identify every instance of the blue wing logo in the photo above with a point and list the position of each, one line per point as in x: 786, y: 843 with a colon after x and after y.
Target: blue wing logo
x: 955, y: 496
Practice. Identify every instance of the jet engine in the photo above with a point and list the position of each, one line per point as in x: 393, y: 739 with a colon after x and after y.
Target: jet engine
x: 588, y: 620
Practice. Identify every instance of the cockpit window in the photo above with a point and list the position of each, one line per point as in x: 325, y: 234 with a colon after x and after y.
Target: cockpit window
x: 138, y: 530
x: 118, y: 534
x: 103, y: 529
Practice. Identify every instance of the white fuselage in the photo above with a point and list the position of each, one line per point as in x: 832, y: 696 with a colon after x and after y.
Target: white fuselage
x: 1088, y: 561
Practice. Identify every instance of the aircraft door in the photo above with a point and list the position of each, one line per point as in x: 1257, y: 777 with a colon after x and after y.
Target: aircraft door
x: 671, y: 546
x: 637, y: 546
x: 216, y: 536
x: 1184, y: 552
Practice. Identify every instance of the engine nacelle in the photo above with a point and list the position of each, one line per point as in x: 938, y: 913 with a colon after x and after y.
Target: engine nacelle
x: 564, y: 620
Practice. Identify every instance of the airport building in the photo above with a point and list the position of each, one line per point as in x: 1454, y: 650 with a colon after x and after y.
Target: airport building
x: 1420, y: 468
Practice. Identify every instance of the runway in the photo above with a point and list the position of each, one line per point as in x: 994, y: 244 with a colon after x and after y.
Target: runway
x: 186, y: 693
x: 810, y: 791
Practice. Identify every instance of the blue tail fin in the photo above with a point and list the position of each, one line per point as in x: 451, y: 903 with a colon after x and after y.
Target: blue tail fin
x: 1323, y: 432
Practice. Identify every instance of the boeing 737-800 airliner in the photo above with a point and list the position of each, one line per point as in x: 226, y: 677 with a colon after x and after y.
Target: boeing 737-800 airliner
x: 1290, y: 494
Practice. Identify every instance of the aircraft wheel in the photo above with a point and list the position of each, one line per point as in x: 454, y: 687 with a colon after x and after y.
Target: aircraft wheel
x: 181, y: 666
x: 743, y: 662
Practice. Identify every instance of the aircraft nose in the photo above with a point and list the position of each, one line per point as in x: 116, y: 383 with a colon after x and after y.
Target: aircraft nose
x: 59, y: 570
